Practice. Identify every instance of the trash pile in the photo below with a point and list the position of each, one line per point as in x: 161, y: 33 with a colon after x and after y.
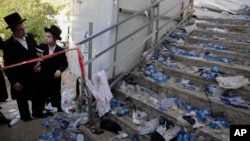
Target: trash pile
x: 188, y: 115
x: 64, y: 127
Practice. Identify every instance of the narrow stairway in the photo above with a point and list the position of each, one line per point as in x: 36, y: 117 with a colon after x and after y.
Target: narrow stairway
x: 196, y: 86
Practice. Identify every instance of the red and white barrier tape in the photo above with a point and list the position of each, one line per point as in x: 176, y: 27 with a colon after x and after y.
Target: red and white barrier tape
x: 80, y: 61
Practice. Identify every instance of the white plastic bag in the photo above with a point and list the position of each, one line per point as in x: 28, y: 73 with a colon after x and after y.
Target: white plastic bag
x: 232, y: 82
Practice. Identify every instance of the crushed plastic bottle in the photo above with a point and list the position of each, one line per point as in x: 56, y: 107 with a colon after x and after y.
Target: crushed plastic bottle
x: 201, y: 115
x: 160, y: 58
x: 226, y: 60
x: 123, y: 112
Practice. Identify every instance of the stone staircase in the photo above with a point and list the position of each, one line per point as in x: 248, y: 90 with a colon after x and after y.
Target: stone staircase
x: 147, y: 93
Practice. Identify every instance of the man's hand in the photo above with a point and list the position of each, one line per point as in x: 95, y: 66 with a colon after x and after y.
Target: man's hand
x: 18, y: 87
x: 57, y: 74
x: 37, y: 67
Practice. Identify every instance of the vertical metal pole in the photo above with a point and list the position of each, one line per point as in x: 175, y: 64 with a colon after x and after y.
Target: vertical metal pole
x: 116, y: 38
x: 182, y: 12
x: 192, y: 3
x: 90, y: 51
x: 150, y: 26
x: 91, y: 116
x: 157, y: 23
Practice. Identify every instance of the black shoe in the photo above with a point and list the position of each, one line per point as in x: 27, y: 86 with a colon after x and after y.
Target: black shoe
x: 27, y: 119
x: 59, y: 109
x: 40, y: 115
x: 48, y: 113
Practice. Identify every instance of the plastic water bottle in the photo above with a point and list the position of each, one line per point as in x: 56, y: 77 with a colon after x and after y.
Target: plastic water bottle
x: 80, y: 137
x: 123, y: 112
x: 201, y: 115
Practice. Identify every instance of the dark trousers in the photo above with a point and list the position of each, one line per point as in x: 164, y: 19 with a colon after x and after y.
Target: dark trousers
x: 31, y: 91
x: 52, y: 91
x: 3, y: 89
x: 23, y: 106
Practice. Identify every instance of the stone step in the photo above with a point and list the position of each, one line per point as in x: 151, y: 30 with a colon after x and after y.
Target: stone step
x: 200, y: 61
x: 195, y: 98
x: 225, y: 20
x: 198, y: 80
x: 238, y: 58
x: 231, y: 45
x: 229, y: 28
x: 144, y: 104
x: 239, y: 36
x: 128, y: 126
x: 104, y: 137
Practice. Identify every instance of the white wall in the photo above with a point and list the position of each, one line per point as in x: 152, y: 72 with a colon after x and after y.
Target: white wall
x: 244, y: 1
x: 99, y: 12
x: 104, y: 13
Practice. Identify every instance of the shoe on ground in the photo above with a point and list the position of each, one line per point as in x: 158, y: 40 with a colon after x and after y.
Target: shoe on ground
x: 40, y: 115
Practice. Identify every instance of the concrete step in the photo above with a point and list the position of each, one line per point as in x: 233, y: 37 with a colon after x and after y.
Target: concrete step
x: 194, y: 97
x: 239, y: 36
x: 234, y: 46
x: 104, y: 137
x: 238, y: 58
x: 197, y: 79
x: 128, y: 125
x: 231, y: 21
x: 143, y: 103
x: 229, y: 28
x: 234, y: 69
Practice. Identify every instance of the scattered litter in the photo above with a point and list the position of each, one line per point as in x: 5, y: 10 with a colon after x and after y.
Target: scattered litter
x: 12, y: 110
x: 120, y: 136
x: 14, y: 121
x: 232, y: 82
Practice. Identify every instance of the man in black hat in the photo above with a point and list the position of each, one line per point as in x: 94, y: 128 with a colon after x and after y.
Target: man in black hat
x: 53, y: 67
x: 3, y: 90
x: 24, y: 81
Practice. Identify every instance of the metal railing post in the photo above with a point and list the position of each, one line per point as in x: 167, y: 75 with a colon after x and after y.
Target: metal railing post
x: 116, y: 38
x: 157, y: 24
x: 90, y: 75
x: 150, y: 26
x: 90, y: 51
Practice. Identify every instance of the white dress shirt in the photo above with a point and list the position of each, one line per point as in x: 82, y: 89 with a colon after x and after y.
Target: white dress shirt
x: 22, y: 42
x: 51, y: 49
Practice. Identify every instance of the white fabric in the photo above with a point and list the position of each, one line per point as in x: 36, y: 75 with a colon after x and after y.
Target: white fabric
x: 232, y: 82
x: 22, y: 42
x: 102, y: 86
x: 231, y: 6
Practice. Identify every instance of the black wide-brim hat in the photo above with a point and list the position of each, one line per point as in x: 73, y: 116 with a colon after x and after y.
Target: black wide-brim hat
x: 54, y: 30
x: 13, y: 19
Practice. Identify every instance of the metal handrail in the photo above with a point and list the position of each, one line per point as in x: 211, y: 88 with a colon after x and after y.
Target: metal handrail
x: 126, y: 37
x: 119, y: 23
x: 137, y: 45
x: 113, y: 84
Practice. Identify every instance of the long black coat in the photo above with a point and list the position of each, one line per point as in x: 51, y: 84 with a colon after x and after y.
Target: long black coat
x: 25, y: 74
x: 3, y: 90
x: 52, y: 86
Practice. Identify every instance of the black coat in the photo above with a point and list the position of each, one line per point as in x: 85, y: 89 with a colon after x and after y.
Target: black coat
x: 50, y: 66
x: 14, y: 52
x: 3, y: 90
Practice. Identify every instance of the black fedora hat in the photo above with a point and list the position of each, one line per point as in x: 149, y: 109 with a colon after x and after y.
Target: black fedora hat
x: 54, y: 30
x: 13, y: 20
